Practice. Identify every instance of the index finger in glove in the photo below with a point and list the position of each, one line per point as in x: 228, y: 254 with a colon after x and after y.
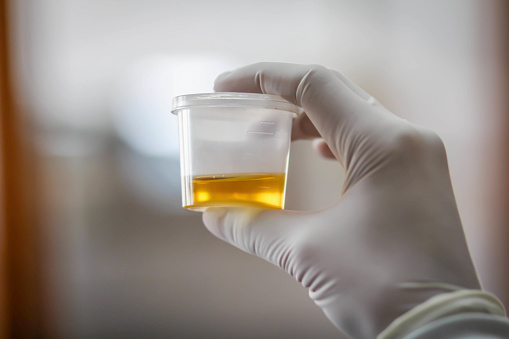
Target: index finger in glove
x: 329, y: 101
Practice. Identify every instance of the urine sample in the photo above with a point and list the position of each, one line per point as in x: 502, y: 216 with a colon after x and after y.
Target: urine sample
x: 234, y: 149
x: 265, y: 190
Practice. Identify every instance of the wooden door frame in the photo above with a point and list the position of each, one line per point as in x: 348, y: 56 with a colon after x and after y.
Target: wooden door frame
x: 20, y: 265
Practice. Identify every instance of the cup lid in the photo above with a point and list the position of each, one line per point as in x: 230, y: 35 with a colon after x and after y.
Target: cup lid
x: 233, y: 99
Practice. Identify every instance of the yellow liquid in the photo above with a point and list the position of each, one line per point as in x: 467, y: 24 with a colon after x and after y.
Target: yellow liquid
x: 265, y: 190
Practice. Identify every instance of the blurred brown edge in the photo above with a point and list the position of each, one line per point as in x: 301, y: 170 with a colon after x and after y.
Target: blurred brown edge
x: 505, y: 161
x: 21, y: 288
x: 499, y: 269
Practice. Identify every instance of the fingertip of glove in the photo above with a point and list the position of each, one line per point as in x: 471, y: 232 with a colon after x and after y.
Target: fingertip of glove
x: 212, y: 218
x: 323, y: 149
x: 221, y: 77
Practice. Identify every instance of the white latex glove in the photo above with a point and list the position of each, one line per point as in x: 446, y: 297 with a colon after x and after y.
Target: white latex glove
x: 392, y: 240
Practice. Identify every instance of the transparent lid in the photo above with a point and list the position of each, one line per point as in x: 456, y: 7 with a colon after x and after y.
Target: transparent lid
x: 233, y: 99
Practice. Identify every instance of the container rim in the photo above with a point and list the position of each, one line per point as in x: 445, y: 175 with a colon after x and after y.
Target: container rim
x: 234, y: 99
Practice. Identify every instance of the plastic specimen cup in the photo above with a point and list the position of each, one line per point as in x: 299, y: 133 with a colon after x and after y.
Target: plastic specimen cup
x: 234, y: 149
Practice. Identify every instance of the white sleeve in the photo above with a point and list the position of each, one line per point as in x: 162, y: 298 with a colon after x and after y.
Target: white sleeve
x: 458, y: 314
x: 464, y: 326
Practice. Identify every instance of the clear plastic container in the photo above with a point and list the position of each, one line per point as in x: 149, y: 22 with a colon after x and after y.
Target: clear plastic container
x: 234, y: 149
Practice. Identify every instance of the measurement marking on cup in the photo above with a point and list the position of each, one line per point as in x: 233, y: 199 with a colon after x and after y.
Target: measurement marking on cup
x: 266, y: 128
x: 258, y: 132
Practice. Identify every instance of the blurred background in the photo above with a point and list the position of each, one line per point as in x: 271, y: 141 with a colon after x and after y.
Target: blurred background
x: 112, y: 253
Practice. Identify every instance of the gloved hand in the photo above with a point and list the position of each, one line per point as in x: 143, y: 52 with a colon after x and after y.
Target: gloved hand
x: 392, y: 240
